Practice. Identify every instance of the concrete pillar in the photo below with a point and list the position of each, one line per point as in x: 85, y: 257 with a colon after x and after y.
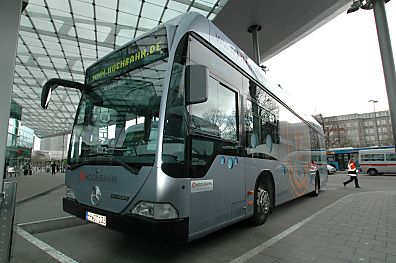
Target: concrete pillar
x: 10, y: 15
x: 387, y: 59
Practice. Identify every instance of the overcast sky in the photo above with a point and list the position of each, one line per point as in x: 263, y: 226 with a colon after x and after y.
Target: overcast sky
x: 337, y: 69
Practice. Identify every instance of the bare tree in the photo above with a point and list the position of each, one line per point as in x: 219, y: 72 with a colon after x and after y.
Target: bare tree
x: 39, y: 159
x: 225, y: 123
x: 214, y: 116
x: 335, y: 135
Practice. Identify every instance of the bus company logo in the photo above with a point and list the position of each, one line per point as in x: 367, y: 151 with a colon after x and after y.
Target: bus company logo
x: 97, y: 178
x: 201, y: 186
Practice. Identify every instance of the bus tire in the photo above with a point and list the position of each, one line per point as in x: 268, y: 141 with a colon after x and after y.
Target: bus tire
x: 263, y: 195
x: 317, y: 186
x: 372, y: 172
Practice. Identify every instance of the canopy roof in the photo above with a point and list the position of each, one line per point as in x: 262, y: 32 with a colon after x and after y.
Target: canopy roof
x: 283, y: 22
x: 61, y: 38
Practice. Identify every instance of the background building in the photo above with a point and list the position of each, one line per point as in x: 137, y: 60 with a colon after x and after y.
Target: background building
x: 57, y: 143
x: 357, y: 130
x: 55, y: 147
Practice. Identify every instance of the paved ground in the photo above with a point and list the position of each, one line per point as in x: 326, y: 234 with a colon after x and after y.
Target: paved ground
x: 341, y: 225
x: 358, y: 228
x: 31, y: 186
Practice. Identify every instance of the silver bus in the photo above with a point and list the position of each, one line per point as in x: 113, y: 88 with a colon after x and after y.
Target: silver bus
x: 179, y: 132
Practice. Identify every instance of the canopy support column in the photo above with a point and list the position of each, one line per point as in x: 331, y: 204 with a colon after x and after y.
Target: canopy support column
x: 388, y: 63
x: 10, y: 15
x: 256, y: 48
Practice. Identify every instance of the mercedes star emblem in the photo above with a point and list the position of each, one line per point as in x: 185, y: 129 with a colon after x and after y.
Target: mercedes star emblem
x: 95, y: 195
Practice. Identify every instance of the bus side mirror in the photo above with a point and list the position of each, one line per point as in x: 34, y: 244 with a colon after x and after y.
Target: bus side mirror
x: 46, y: 94
x: 196, y: 83
x: 52, y: 84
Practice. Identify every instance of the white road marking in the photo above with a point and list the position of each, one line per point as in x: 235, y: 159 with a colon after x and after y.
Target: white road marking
x: 45, y: 247
x: 257, y: 250
x: 328, y: 188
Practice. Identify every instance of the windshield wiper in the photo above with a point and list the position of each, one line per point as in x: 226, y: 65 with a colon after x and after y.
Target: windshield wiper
x: 169, y: 138
x: 99, y: 154
x: 106, y: 160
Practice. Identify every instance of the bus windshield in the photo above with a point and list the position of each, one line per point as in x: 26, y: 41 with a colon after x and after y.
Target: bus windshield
x: 118, y: 116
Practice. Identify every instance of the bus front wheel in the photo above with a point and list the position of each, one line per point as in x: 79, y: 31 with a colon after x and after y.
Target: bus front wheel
x: 262, y: 203
x: 373, y: 172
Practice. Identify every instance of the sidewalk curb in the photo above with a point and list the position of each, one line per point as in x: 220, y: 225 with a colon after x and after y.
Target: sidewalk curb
x: 27, y: 230
x: 20, y: 202
x: 41, y: 226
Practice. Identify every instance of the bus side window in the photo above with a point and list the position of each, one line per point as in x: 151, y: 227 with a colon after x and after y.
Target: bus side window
x: 213, y: 128
x: 203, y: 153
x: 217, y: 116
x: 262, y: 131
x: 391, y: 157
x: 252, y: 125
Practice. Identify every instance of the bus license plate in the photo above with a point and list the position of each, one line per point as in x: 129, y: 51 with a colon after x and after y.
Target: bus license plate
x: 95, y: 218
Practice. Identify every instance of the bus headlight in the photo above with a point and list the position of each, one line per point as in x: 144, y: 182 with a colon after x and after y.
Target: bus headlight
x: 157, y: 211
x: 165, y: 211
x: 70, y: 193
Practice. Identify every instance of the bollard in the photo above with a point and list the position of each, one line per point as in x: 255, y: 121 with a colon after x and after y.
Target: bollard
x: 7, y: 211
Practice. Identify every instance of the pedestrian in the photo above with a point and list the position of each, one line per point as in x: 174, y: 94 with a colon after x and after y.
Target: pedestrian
x: 5, y: 170
x: 25, y: 169
x: 53, y: 167
x: 352, y: 174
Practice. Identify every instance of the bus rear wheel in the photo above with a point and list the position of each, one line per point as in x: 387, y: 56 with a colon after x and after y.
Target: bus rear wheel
x: 262, y: 203
x: 373, y: 172
x: 317, y: 186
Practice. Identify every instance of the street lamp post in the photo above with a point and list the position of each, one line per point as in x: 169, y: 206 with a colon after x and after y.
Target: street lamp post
x: 375, y: 120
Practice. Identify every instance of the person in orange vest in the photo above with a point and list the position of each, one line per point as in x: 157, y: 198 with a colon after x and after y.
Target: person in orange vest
x: 352, y: 174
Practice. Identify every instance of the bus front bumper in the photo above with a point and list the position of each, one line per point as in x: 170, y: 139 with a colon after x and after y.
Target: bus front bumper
x: 176, y: 230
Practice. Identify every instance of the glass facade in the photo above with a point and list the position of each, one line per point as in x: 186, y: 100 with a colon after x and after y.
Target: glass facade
x: 19, y: 140
x: 101, y: 27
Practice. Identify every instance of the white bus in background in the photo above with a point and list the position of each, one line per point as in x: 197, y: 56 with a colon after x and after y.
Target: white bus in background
x: 378, y: 161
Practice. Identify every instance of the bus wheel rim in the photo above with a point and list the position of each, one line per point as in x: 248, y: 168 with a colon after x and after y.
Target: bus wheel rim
x: 263, y: 200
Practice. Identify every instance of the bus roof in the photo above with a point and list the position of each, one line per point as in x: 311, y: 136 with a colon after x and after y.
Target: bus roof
x: 351, y: 149
x: 383, y: 150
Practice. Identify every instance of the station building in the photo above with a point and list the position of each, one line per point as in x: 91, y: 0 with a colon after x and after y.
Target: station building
x: 358, y: 130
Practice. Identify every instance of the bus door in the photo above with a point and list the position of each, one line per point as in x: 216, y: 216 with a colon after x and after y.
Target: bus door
x: 218, y: 196
x: 391, y: 161
x: 218, y: 174
x: 341, y: 162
